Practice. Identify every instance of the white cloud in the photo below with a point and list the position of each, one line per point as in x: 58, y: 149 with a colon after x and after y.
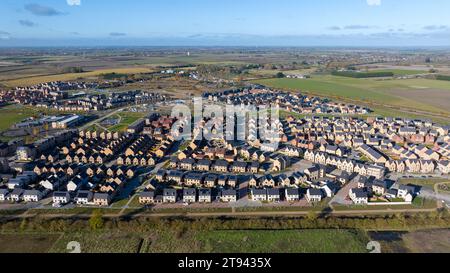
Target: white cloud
x: 4, y: 35
x: 74, y: 2
x: 374, y: 2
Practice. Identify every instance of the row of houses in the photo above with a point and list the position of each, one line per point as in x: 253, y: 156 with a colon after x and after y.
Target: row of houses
x: 88, y: 103
x: 82, y: 197
x: 313, y: 195
x: 345, y: 164
x: 19, y: 195
x: 259, y: 95
x: 368, y: 187
x: 198, y: 179
x: 238, y: 167
x: 189, y: 196
x: 29, y: 152
x: 382, y: 134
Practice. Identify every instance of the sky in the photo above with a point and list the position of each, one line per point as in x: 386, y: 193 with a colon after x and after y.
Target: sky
x: 224, y: 23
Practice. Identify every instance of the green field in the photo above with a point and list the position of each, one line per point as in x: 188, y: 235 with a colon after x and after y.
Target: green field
x: 421, y: 241
x: 416, y: 96
x: 176, y: 241
x: 27, y: 243
x: 260, y: 241
x: 234, y: 241
x: 126, y: 119
x: 430, y: 182
x: 13, y: 114
x: 100, y: 242
x: 401, y: 72
x: 305, y: 241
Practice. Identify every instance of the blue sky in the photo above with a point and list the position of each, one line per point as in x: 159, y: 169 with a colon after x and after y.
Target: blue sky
x: 225, y: 22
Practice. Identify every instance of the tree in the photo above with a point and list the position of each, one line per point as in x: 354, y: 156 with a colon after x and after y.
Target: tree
x: 35, y: 131
x: 312, y: 216
x: 23, y: 225
x: 96, y: 221
x: 280, y: 75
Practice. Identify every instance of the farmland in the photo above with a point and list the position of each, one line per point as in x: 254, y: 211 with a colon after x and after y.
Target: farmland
x: 310, y: 234
x: 260, y: 241
x: 100, y: 242
x: 31, y: 80
x: 422, y: 241
x: 27, y: 243
x: 304, y: 241
x: 221, y: 241
x: 399, y: 94
x: 430, y: 182
x: 401, y: 72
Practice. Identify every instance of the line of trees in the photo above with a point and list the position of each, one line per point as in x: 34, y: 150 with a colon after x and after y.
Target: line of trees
x: 73, y: 69
x: 443, y: 77
x: 396, y: 221
x: 355, y: 74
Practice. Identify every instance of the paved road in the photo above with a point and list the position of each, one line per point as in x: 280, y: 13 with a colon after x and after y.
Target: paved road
x: 89, y: 124
x: 107, y: 114
x: 141, y: 187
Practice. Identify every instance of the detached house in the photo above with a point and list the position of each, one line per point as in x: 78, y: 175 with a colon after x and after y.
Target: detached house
x: 220, y: 166
x: 254, y: 167
x: 211, y: 181
x: 175, y: 176
x: 3, y: 195
x: 187, y: 164
x: 32, y: 196
x: 161, y: 175
x: 273, y: 195
x: 313, y: 173
x: 204, y: 196
x: 359, y: 196
x: 83, y: 197
x: 379, y: 187
x: 60, y: 197
x: 314, y: 195
x: 258, y: 194
x: 232, y: 181
x: 169, y: 196
x: 427, y: 166
x: 292, y: 194
x: 406, y: 192
x: 146, y: 197
x: 102, y: 199
x: 16, y: 195
x: 189, y: 195
x: 204, y: 165
x: 239, y: 167
x: 228, y: 196
x: 444, y: 166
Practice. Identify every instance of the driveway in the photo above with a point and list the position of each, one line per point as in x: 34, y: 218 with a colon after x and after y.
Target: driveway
x: 341, y: 196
